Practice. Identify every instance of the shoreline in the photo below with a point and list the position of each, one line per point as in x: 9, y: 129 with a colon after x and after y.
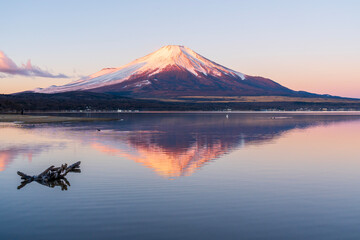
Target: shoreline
x: 340, y: 112
x: 28, y: 118
x: 34, y: 119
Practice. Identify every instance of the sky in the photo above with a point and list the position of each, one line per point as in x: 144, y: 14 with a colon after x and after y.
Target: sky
x: 304, y: 45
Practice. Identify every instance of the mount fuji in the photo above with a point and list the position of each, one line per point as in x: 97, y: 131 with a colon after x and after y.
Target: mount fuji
x: 174, y: 71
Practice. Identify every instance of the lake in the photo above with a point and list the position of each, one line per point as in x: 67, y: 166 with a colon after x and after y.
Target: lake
x: 186, y: 176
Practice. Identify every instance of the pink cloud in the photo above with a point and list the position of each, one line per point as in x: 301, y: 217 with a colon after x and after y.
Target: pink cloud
x: 8, y: 66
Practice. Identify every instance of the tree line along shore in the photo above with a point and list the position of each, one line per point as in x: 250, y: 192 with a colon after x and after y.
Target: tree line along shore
x: 78, y: 101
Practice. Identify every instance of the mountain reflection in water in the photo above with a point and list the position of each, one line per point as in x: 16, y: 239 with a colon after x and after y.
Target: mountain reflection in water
x: 173, y: 145
x: 178, y: 145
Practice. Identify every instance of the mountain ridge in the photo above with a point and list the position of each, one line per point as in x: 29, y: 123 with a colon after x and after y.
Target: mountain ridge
x: 174, y: 71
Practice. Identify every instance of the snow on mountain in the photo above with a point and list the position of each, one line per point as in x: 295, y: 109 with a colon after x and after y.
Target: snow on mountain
x: 168, y: 56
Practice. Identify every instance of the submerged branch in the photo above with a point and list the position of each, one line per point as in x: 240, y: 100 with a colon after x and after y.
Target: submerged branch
x: 52, y: 176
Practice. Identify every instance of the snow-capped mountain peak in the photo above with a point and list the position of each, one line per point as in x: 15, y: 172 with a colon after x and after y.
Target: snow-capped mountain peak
x: 180, y: 57
x: 185, y: 58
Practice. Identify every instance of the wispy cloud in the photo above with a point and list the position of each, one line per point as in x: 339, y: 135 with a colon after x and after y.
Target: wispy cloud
x: 8, y: 66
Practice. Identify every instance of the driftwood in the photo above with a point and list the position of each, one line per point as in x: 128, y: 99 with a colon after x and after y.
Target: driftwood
x: 52, y: 176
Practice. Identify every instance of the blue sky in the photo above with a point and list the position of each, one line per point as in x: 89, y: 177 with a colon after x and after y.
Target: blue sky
x: 304, y: 45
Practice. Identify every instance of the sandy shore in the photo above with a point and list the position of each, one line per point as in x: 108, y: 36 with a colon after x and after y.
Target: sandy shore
x: 45, y: 119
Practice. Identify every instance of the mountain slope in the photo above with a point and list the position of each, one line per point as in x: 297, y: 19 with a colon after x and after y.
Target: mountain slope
x: 174, y: 71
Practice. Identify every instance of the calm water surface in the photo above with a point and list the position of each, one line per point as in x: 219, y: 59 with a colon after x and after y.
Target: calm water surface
x: 186, y: 176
